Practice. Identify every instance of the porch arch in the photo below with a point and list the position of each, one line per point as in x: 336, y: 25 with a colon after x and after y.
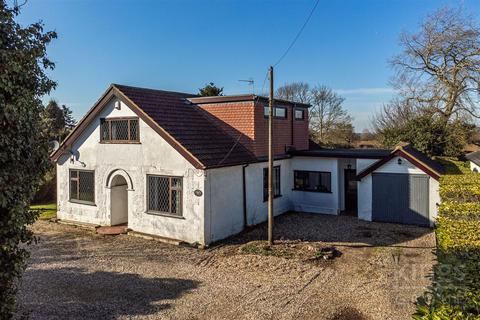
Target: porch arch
x: 122, y: 173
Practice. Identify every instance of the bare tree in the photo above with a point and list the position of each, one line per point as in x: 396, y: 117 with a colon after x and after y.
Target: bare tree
x: 367, y: 135
x: 329, y: 121
x: 439, y: 68
x: 295, y: 91
x: 397, y: 113
x: 330, y: 124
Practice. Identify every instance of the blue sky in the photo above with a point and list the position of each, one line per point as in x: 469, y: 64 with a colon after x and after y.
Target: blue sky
x: 181, y: 45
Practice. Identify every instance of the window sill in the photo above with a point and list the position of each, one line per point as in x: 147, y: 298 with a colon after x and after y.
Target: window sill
x: 83, y: 202
x: 276, y: 118
x: 164, y: 214
x: 311, y: 191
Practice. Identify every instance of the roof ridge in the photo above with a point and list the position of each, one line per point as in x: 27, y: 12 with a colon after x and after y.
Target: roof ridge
x: 155, y: 90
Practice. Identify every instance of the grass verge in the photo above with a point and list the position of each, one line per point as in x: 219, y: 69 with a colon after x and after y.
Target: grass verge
x: 47, y: 211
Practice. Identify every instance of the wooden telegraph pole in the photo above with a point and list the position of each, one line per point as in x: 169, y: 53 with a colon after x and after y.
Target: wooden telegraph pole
x: 270, y: 160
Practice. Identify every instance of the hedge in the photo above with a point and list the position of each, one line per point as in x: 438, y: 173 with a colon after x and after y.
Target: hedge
x: 455, y: 289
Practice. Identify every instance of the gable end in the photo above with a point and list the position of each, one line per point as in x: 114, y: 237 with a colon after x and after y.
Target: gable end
x: 112, y: 92
x: 405, y: 154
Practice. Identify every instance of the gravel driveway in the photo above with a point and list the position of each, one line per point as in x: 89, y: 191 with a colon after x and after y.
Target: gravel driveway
x: 75, y: 274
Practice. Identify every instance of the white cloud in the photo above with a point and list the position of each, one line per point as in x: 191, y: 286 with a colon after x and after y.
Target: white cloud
x: 365, y: 91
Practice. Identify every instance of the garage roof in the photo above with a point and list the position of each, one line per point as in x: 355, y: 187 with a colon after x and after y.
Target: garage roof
x: 405, y: 150
x: 474, y: 157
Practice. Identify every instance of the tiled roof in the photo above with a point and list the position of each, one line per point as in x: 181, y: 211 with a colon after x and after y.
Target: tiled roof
x: 420, y: 160
x: 424, y: 158
x: 187, y: 124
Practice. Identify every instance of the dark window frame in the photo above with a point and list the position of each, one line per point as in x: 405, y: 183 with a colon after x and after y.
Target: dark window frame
x: 295, y: 114
x: 109, y: 126
x: 170, y: 189
x: 265, y: 116
x: 77, y: 179
x: 329, y: 187
x: 277, y: 183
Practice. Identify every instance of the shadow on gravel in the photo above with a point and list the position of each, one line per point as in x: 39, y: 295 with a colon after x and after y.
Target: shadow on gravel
x: 348, y: 314
x: 332, y: 228
x: 74, y: 293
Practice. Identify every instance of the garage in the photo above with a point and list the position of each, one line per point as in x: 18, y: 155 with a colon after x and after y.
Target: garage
x: 400, y: 188
x: 400, y: 198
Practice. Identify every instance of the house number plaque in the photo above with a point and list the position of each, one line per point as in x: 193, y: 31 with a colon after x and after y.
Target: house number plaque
x: 198, y: 193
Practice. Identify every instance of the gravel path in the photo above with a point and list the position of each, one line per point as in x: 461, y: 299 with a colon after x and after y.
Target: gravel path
x: 74, y: 274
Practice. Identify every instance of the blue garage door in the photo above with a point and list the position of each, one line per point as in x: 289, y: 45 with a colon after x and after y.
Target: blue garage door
x: 400, y: 198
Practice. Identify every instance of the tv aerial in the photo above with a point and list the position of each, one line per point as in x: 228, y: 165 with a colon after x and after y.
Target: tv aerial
x: 250, y: 82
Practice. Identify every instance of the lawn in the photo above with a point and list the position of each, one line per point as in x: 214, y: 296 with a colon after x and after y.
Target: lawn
x: 47, y: 211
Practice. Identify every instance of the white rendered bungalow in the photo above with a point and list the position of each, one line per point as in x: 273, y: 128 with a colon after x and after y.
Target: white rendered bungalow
x: 191, y: 168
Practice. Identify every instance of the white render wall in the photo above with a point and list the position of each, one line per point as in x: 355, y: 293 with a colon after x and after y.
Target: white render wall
x: 257, y: 209
x: 364, y: 190
x: 317, y: 202
x: 224, y: 215
x: 474, y: 167
x: 434, y: 197
x: 133, y: 161
x: 223, y: 203
x: 365, y: 186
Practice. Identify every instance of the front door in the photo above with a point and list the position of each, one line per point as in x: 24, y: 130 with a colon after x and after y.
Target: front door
x: 351, y: 191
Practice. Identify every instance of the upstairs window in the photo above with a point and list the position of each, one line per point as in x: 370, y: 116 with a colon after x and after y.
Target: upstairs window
x: 281, y: 112
x: 316, y: 181
x: 82, y: 186
x: 276, y: 183
x: 164, y: 195
x: 299, y: 114
x: 119, y: 130
x: 278, y: 112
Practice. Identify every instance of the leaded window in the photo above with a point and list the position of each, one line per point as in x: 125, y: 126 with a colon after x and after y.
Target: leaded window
x: 82, y: 186
x: 119, y: 130
x: 164, y: 195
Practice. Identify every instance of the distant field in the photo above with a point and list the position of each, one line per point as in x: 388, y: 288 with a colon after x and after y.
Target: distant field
x: 47, y: 211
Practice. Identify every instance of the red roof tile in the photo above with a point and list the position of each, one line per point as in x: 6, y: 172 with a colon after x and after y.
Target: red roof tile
x: 187, y: 124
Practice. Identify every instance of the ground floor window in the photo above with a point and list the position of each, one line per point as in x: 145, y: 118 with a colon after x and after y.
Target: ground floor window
x: 276, y: 183
x: 82, y: 186
x: 317, y: 181
x: 164, y: 194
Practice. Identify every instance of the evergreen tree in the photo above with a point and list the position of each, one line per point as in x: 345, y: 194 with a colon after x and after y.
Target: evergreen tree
x: 210, y: 90
x: 23, y: 144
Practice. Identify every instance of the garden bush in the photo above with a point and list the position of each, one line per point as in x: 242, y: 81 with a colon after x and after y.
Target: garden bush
x: 455, y: 289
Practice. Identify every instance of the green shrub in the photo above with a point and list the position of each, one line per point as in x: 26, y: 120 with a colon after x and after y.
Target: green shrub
x: 23, y: 146
x: 455, y: 290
